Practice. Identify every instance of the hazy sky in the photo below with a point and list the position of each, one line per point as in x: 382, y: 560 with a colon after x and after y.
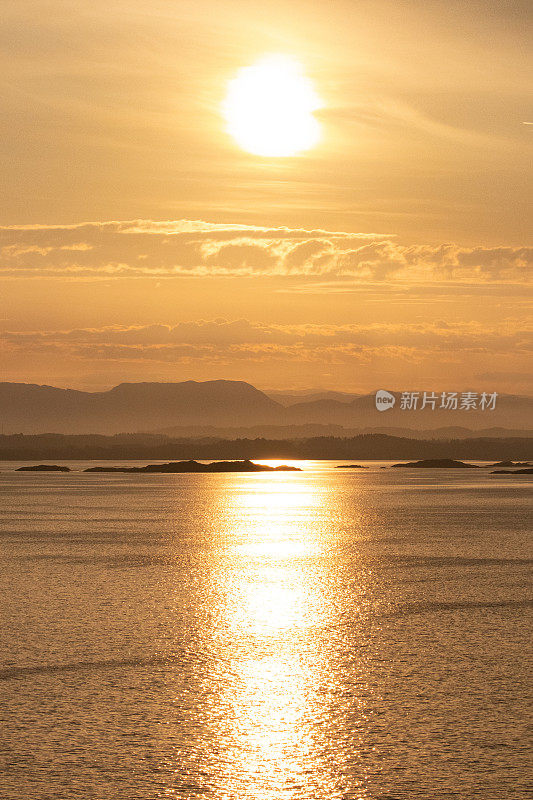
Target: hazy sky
x: 140, y: 242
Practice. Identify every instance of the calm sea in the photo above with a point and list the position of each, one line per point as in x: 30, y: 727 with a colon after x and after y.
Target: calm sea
x: 290, y: 636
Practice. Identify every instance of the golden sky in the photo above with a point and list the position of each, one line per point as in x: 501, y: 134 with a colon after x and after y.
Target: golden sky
x: 139, y: 241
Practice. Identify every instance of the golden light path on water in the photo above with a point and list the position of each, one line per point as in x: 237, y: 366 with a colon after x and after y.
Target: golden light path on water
x: 271, y: 719
x: 330, y: 634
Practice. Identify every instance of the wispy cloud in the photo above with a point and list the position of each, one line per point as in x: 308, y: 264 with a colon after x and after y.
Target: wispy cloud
x: 170, y: 249
x: 244, y: 339
x: 437, y: 353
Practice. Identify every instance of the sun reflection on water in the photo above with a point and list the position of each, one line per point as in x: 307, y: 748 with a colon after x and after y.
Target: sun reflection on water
x: 270, y: 584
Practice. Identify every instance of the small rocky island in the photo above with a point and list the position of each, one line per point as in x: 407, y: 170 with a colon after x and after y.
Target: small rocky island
x: 528, y: 471
x: 437, y: 463
x: 43, y: 468
x: 350, y: 466
x: 196, y: 466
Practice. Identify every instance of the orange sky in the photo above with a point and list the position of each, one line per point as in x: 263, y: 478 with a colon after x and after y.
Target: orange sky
x: 139, y: 242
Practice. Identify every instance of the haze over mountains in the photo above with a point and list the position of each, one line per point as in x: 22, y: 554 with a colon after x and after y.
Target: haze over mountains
x: 236, y: 408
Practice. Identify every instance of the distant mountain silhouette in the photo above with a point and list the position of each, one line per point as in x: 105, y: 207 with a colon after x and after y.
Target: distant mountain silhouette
x: 254, y: 431
x: 217, y: 407
x: 27, y: 408
x: 308, y: 395
x: 511, y: 464
x: 309, y: 430
x: 511, y: 411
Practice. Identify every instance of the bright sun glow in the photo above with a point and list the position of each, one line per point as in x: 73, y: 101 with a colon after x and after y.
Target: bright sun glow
x: 269, y: 108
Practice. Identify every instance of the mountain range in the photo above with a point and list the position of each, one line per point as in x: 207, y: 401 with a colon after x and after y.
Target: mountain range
x: 216, y: 408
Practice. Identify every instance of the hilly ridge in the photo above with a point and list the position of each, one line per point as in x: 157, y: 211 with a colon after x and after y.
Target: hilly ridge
x: 189, y: 406
x: 28, y: 408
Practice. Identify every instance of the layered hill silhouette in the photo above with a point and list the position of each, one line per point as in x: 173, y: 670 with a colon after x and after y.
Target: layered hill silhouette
x: 217, y: 407
x: 512, y: 411
x: 28, y: 408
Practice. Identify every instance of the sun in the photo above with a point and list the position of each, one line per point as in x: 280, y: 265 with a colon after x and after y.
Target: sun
x: 269, y: 108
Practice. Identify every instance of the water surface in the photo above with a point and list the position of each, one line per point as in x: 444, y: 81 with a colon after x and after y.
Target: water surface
x: 302, y: 636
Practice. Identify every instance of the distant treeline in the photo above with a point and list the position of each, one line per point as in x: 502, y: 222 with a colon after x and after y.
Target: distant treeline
x: 365, y: 447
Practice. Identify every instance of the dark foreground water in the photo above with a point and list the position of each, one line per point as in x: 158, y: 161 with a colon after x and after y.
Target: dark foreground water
x: 306, y: 636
